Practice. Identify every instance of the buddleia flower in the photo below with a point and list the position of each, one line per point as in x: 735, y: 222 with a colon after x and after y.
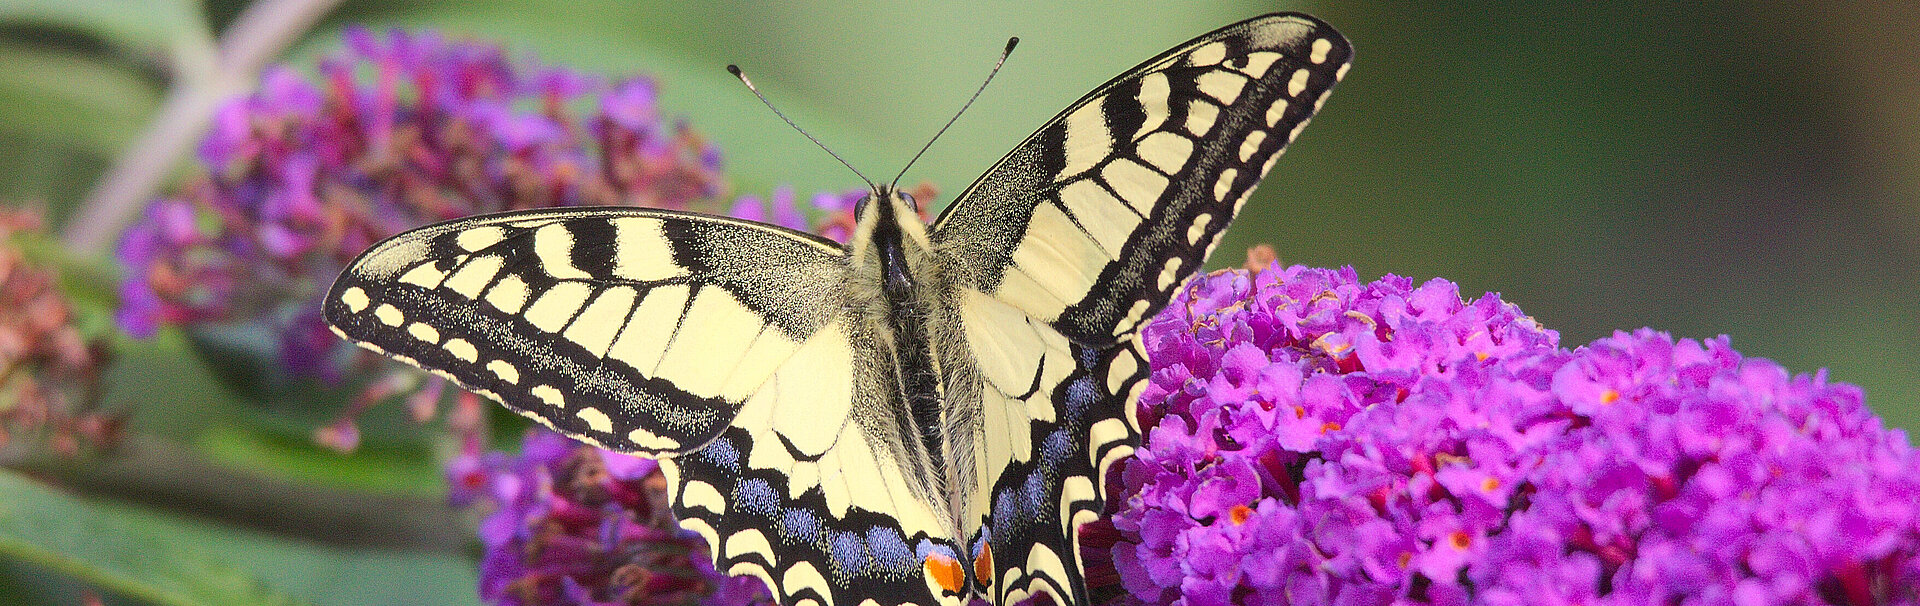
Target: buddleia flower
x: 1315, y: 439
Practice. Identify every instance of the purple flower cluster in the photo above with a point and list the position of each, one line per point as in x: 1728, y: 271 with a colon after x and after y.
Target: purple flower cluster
x: 1317, y: 440
x: 404, y: 130
x: 576, y: 525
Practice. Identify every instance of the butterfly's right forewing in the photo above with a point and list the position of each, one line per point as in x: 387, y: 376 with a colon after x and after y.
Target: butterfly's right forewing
x: 1095, y: 220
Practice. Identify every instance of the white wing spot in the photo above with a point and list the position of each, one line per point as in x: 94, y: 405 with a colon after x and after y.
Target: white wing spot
x: 701, y: 494
x: 355, y: 299
x: 645, y: 338
x: 600, y: 321
x: 1119, y: 372
x: 651, y: 441
x: 1100, y: 213
x: 1200, y: 117
x: 749, y: 541
x: 1222, y: 85
x: 1252, y: 144
x: 1224, y: 186
x: 548, y: 394
x: 1298, y: 84
x: 642, y: 252
x: 1137, y: 184
x: 504, y: 370
x: 1170, y: 274
x: 1320, y: 48
x: 1198, y: 229
x: 1211, y: 53
x: 596, y: 420
x: 423, y: 275
x: 509, y: 295
x: 1135, y: 314
x: 553, y: 244
x: 1259, y: 62
x: 389, y: 315
x: 424, y: 332
x: 1154, y: 92
x: 474, y: 239
x: 463, y: 350
x: 1295, y: 133
x: 473, y: 277
x: 802, y: 574
x: 1088, y: 140
x: 1165, y: 150
x: 556, y: 306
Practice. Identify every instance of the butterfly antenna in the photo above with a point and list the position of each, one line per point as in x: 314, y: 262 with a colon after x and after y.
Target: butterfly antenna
x: 1011, y: 42
x: 735, y: 70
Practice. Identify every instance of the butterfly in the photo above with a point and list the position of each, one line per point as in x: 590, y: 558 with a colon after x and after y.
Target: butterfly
x: 923, y: 415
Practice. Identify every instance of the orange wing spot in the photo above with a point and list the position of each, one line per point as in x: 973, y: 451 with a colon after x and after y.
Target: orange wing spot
x: 983, y: 565
x: 946, y: 572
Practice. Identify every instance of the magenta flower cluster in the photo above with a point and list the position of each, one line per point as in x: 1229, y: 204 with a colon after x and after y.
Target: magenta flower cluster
x: 1313, y: 439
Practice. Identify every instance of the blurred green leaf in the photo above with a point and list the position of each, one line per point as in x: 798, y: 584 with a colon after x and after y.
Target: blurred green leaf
x: 154, y: 562
x: 71, y: 100
x: 409, y: 471
x: 173, y: 393
x: 131, y: 24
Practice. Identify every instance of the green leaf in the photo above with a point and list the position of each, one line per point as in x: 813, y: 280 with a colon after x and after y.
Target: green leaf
x: 71, y: 100
x: 147, y: 561
x: 133, y: 24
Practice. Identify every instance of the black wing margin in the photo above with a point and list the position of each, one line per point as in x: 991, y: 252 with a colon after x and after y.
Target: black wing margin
x: 1092, y: 222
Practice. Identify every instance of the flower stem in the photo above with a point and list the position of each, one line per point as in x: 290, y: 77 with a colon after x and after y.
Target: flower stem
x: 207, y: 75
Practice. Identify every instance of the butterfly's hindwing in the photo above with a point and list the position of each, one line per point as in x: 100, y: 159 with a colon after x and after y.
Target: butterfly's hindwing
x: 637, y: 330
x: 1092, y: 222
x: 1045, y: 461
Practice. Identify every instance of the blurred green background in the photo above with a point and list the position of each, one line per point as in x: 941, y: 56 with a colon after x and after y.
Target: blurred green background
x: 1749, y: 169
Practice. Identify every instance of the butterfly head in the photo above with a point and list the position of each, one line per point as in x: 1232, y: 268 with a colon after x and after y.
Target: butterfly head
x: 889, y: 237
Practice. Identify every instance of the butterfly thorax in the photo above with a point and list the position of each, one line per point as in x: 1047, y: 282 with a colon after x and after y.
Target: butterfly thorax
x: 901, y: 296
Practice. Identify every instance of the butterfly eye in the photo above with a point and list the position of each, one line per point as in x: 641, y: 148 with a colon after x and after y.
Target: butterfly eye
x: 908, y: 198
x: 860, y: 208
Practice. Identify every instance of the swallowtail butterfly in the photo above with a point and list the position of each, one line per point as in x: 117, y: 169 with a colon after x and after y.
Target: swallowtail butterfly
x: 920, y: 416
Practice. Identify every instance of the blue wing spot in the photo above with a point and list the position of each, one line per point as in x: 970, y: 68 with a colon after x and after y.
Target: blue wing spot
x: 1081, y: 394
x: 1033, y: 495
x: 1003, y: 506
x: 849, y: 552
x: 889, y: 549
x: 721, y: 453
x: 1055, y: 448
x: 800, y: 524
x: 756, y: 496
